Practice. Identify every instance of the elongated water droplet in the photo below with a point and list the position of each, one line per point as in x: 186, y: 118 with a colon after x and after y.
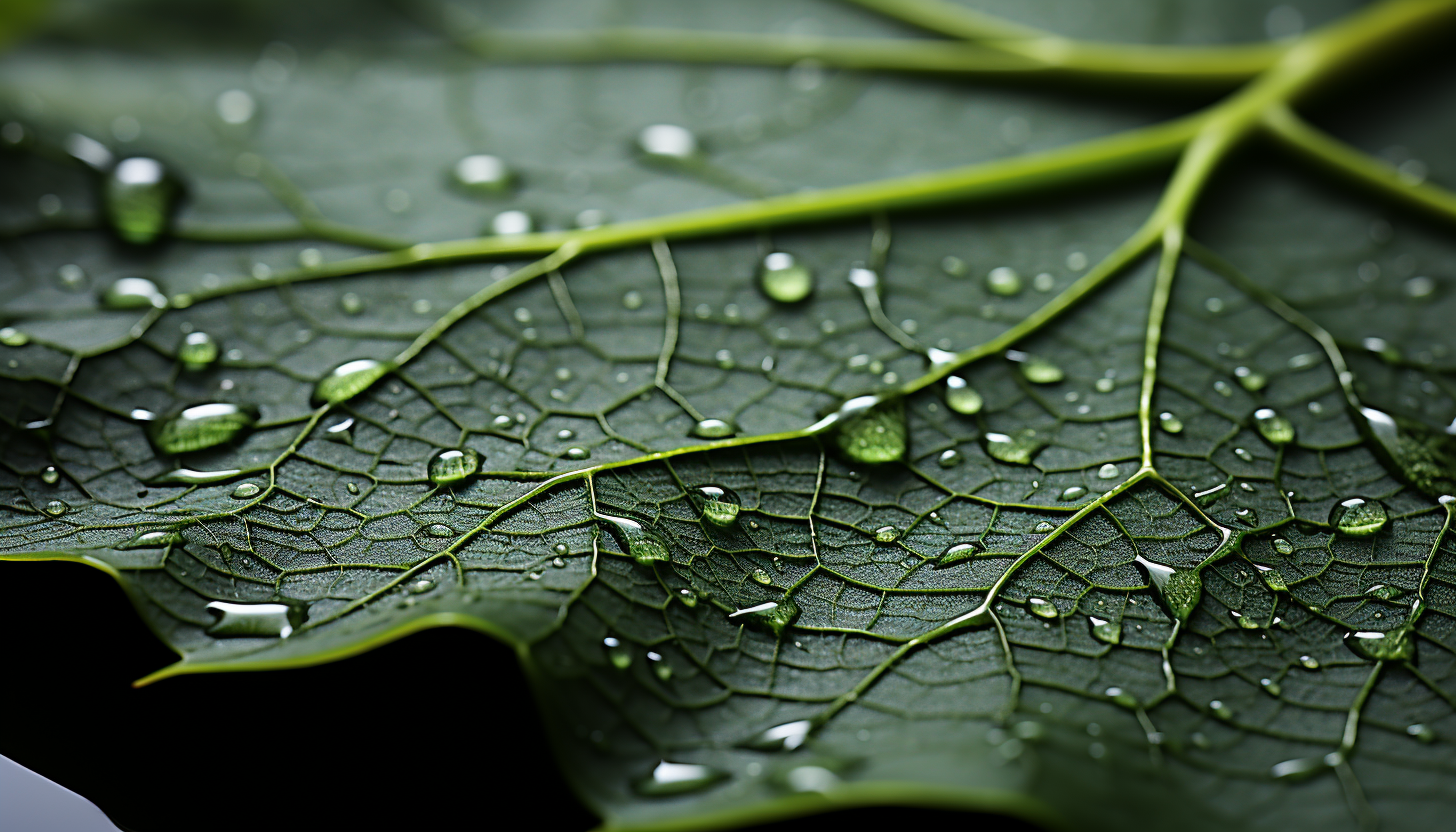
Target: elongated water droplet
x: 12, y: 337
x: 714, y: 429
x: 246, y: 491
x: 1072, y: 493
x: 1309, y: 662
x: 1358, y: 517
x: 348, y: 380
x: 1298, y: 769
x: 1042, y: 608
x: 1180, y: 589
x: 887, y: 534
x: 718, y: 504
x: 1385, y: 592
x: 1424, y: 733
x: 785, y: 737
x: 243, y: 620
x: 642, y: 545
x: 139, y: 195
x: 1004, y: 281
x: 667, y: 142
x: 352, y: 488
x: 50, y: 476
x: 1275, y: 429
x: 1044, y: 528
x: 1017, y: 449
x: 957, y: 552
x: 1170, y: 423
x: 688, y: 598
x: 155, y: 539
x: 762, y: 577
x: 1273, y: 578
x: 776, y: 615
x: 1250, y: 380
x: 871, y: 430
x: 1039, y: 370
x: 784, y: 279
x: 1283, y: 546
x: 202, y: 426
x: 619, y: 654
x: 577, y: 454
x: 677, y: 778
x: 1107, y: 631
x: 482, y: 173
x: 1221, y: 710
x: 949, y: 458
x: 453, y: 465
x: 439, y: 530
x: 133, y: 293
x: 961, y: 397
x: 197, y: 351
x: 1395, y: 645
x: 189, y: 476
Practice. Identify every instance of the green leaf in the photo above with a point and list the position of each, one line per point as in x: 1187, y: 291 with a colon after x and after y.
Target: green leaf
x: 826, y: 420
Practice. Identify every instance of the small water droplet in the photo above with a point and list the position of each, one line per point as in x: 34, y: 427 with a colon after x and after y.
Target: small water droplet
x: 677, y: 778
x: 1072, y: 493
x: 439, y: 530
x: 50, y: 476
x: 1180, y: 589
x: 1420, y: 287
x: 954, y: 266
x: 133, y: 293
x: 1106, y: 631
x: 12, y: 337
x: 761, y: 576
x: 246, y: 491
x: 714, y: 429
x: 1042, y: 608
x: 577, y: 454
x: 718, y: 504
x: 1044, y: 528
x: 561, y: 549
x: 1395, y: 645
x: 1309, y: 662
x: 961, y: 396
x: 1004, y: 281
x: 1249, y: 379
x: 482, y: 173
x: 56, y: 508
x: 348, y: 380
x: 351, y: 303
x: 1298, y: 769
x: 632, y: 299
x: 1039, y: 370
x: 1275, y: 429
x: 784, y: 279
x: 352, y: 488
x: 1107, y: 472
x: 1424, y: 733
x: 957, y: 552
x: 198, y: 350
x: 1170, y: 423
x: 785, y: 737
x: 236, y: 107
x: 668, y: 142
x: 453, y: 465
x: 201, y: 426
x: 1358, y: 517
x: 887, y: 534
x: 1384, y: 592
x: 1247, y: 516
x: 1017, y: 449
x: 949, y: 458
x: 509, y: 223
x: 688, y: 598
x: 255, y: 620
x: 1106, y: 384
x: 139, y: 195
x: 617, y: 653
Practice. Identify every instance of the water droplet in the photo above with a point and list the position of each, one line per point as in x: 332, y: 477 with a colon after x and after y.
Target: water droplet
x: 785, y: 737
x: 508, y: 223
x: 719, y: 505
x: 1044, y: 528
x: 957, y: 552
x: 439, y: 530
x: 642, y: 545
x: 688, y: 598
x: 1309, y: 662
x: 421, y: 586
x: 202, y: 426
x: 198, y: 350
x: 1180, y: 589
x: 1298, y: 769
x: 1004, y: 281
x: 565, y: 434
x: 714, y: 429
x: 667, y: 142
x: 139, y: 195
x: 1273, y: 578
x: 1106, y: 631
x: 270, y: 620
x: 1395, y: 645
x: 1072, y: 493
x: 453, y: 465
x: 1243, y: 454
x: 1249, y: 379
x: 776, y: 615
x: 348, y: 380
x: 483, y: 173
x: 1247, y: 516
x: 1017, y: 449
x: 236, y: 107
x: 761, y: 576
x: 1420, y: 287
x: 1170, y: 423
x: 561, y: 549
x: 1424, y: 733
x: 949, y: 458
x: 577, y: 454
x: 870, y: 429
x: 1283, y: 546
x: 50, y: 476
x: 56, y: 508
x: 1107, y: 472
x: 1275, y: 429
x: 961, y: 396
x: 1038, y: 370
x: 677, y: 778
x: 953, y: 266
x: 351, y: 303
x: 1042, y: 608
x: 133, y: 293
x: 1385, y: 592
x: 1221, y: 710
x: 1358, y: 517
x: 12, y: 337
x: 617, y: 653
x: 632, y: 299
x: 352, y: 488
x: 246, y: 491
x: 155, y: 539
x: 887, y: 534
x: 784, y: 279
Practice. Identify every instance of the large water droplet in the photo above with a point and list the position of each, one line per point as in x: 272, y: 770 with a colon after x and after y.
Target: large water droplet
x: 1042, y: 608
x: 887, y: 534
x: 1275, y: 429
x: 1017, y: 449
x: 139, y: 195
x: 718, y: 504
x: 1072, y: 493
x: 642, y: 545
x: 483, y: 173
x: 1004, y: 281
x: 454, y: 465
x: 677, y: 778
x: 1107, y: 631
x: 949, y: 458
x: 1395, y: 645
x: 12, y: 337
x: 871, y: 430
x: 202, y: 426
x: 667, y: 142
x: 1170, y: 423
x: 784, y: 279
x: 785, y: 737
x: 1359, y: 517
x: 133, y: 293
x: 266, y: 620
x: 1107, y: 472
x: 246, y: 491
x: 957, y: 552
x: 961, y: 397
x: 761, y: 576
x: 348, y: 380
x: 1180, y: 589
x: 714, y: 429
x: 1273, y: 578
x: 1283, y: 546
x: 155, y: 539
x: 56, y: 508
x: 197, y: 351
x: 50, y: 476
x: 776, y: 615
